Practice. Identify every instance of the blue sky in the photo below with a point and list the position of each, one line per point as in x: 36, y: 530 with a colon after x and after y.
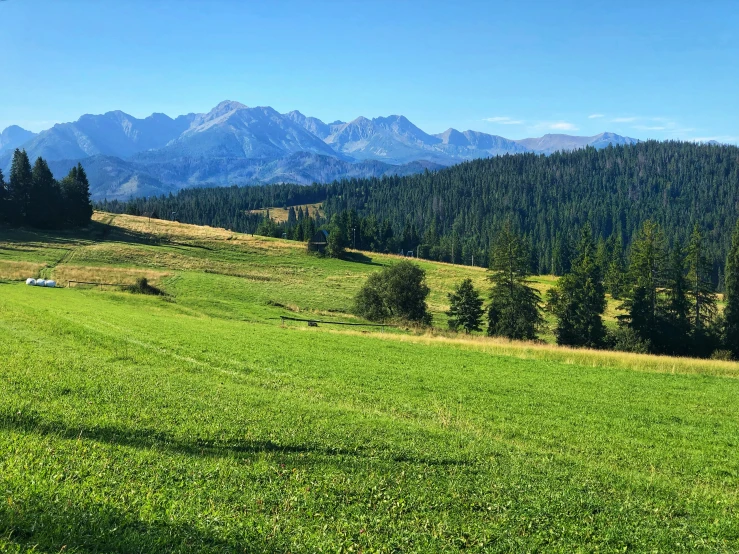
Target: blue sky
x: 646, y: 69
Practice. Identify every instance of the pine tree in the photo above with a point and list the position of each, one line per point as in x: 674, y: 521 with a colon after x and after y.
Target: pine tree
x: 514, y: 305
x: 76, y: 194
x: 677, y: 329
x: 561, y: 256
x: 647, y: 277
x: 579, y: 299
x: 20, y: 185
x: 45, y: 197
x: 703, y: 309
x: 731, y: 312
x: 4, y: 207
x: 615, y: 272
x: 465, y: 307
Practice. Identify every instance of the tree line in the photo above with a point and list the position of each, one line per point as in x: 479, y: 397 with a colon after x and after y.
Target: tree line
x: 668, y: 301
x: 33, y: 197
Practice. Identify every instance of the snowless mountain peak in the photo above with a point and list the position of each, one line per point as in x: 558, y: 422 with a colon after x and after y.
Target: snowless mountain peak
x: 236, y: 144
x: 14, y: 136
x: 228, y: 106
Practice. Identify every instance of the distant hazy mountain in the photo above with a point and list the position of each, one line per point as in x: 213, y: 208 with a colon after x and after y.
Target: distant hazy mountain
x: 235, y: 144
x: 473, y: 144
x: 553, y: 143
x: 112, y: 134
x: 13, y: 137
x: 313, y: 125
x: 393, y: 139
x: 115, y: 178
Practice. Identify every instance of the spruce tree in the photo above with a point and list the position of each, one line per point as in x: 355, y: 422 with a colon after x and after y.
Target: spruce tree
x: 19, y: 187
x: 514, y: 310
x: 465, y: 307
x: 731, y: 312
x: 703, y: 308
x: 76, y: 194
x: 643, y: 302
x: 4, y: 208
x: 45, y: 197
x: 677, y: 328
x: 579, y: 299
x: 615, y: 271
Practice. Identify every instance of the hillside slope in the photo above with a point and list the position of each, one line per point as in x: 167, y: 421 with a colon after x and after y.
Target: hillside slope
x: 196, y: 422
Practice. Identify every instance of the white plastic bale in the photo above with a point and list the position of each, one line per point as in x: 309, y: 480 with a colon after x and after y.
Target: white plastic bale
x: 51, y: 284
x: 40, y: 283
x: 31, y: 282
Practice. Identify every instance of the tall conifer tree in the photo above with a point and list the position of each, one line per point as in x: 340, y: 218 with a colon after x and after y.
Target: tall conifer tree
x: 20, y: 186
x: 677, y: 329
x: 45, y: 202
x: 643, y: 302
x: 514, y: 305
x: 579, y: 299
x: 3, y: 200
x: 76, y: 192
x: 702, y: 296
x: 731, y: 313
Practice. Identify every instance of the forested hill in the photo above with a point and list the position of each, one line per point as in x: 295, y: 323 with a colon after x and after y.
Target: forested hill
x: 457, y: 209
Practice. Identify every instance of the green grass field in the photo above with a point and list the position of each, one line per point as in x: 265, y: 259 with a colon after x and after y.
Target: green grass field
x: 195, y: 422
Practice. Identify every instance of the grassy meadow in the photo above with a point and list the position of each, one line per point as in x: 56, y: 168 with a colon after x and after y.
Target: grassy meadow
x: 196, y: 422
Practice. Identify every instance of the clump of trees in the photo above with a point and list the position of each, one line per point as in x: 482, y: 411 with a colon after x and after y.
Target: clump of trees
x: 668, y: 298
x: 670, y: 301
x: 32, y: 197
x: 396, y: 292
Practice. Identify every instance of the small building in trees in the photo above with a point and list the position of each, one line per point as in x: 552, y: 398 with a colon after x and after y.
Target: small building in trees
x: 318, y: 242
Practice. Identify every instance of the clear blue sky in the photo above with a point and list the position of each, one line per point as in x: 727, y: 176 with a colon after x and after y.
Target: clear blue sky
x: 647, y: 69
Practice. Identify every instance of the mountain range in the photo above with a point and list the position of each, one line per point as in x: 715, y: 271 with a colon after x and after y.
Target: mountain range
x: 235, y: 144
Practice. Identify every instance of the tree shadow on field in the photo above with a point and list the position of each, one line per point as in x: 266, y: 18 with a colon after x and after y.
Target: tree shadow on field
x: 96, y: 231
x: 54, y: 524
x: 149, y: 439
x: 359, y: 258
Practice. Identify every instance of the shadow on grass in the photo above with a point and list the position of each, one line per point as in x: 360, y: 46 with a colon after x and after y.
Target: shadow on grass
x: 96, y: 231
x: 359, y: 258
x: 152, y: 439
x: 56, y: 524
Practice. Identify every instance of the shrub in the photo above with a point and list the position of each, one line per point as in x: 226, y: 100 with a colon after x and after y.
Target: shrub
x: 142, y: 286
x: 398, y: 291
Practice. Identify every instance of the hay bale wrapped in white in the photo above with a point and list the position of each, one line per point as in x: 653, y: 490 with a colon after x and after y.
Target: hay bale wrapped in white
x: 40, y: 283
x: 51, y: 284
x: 31, y: 282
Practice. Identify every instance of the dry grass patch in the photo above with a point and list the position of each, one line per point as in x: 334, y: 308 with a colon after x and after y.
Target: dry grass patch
x: 111, y: 275
x: 279, y: 215
x: 576, y: 356
x: 161, y: 228
x: 16, y: 271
